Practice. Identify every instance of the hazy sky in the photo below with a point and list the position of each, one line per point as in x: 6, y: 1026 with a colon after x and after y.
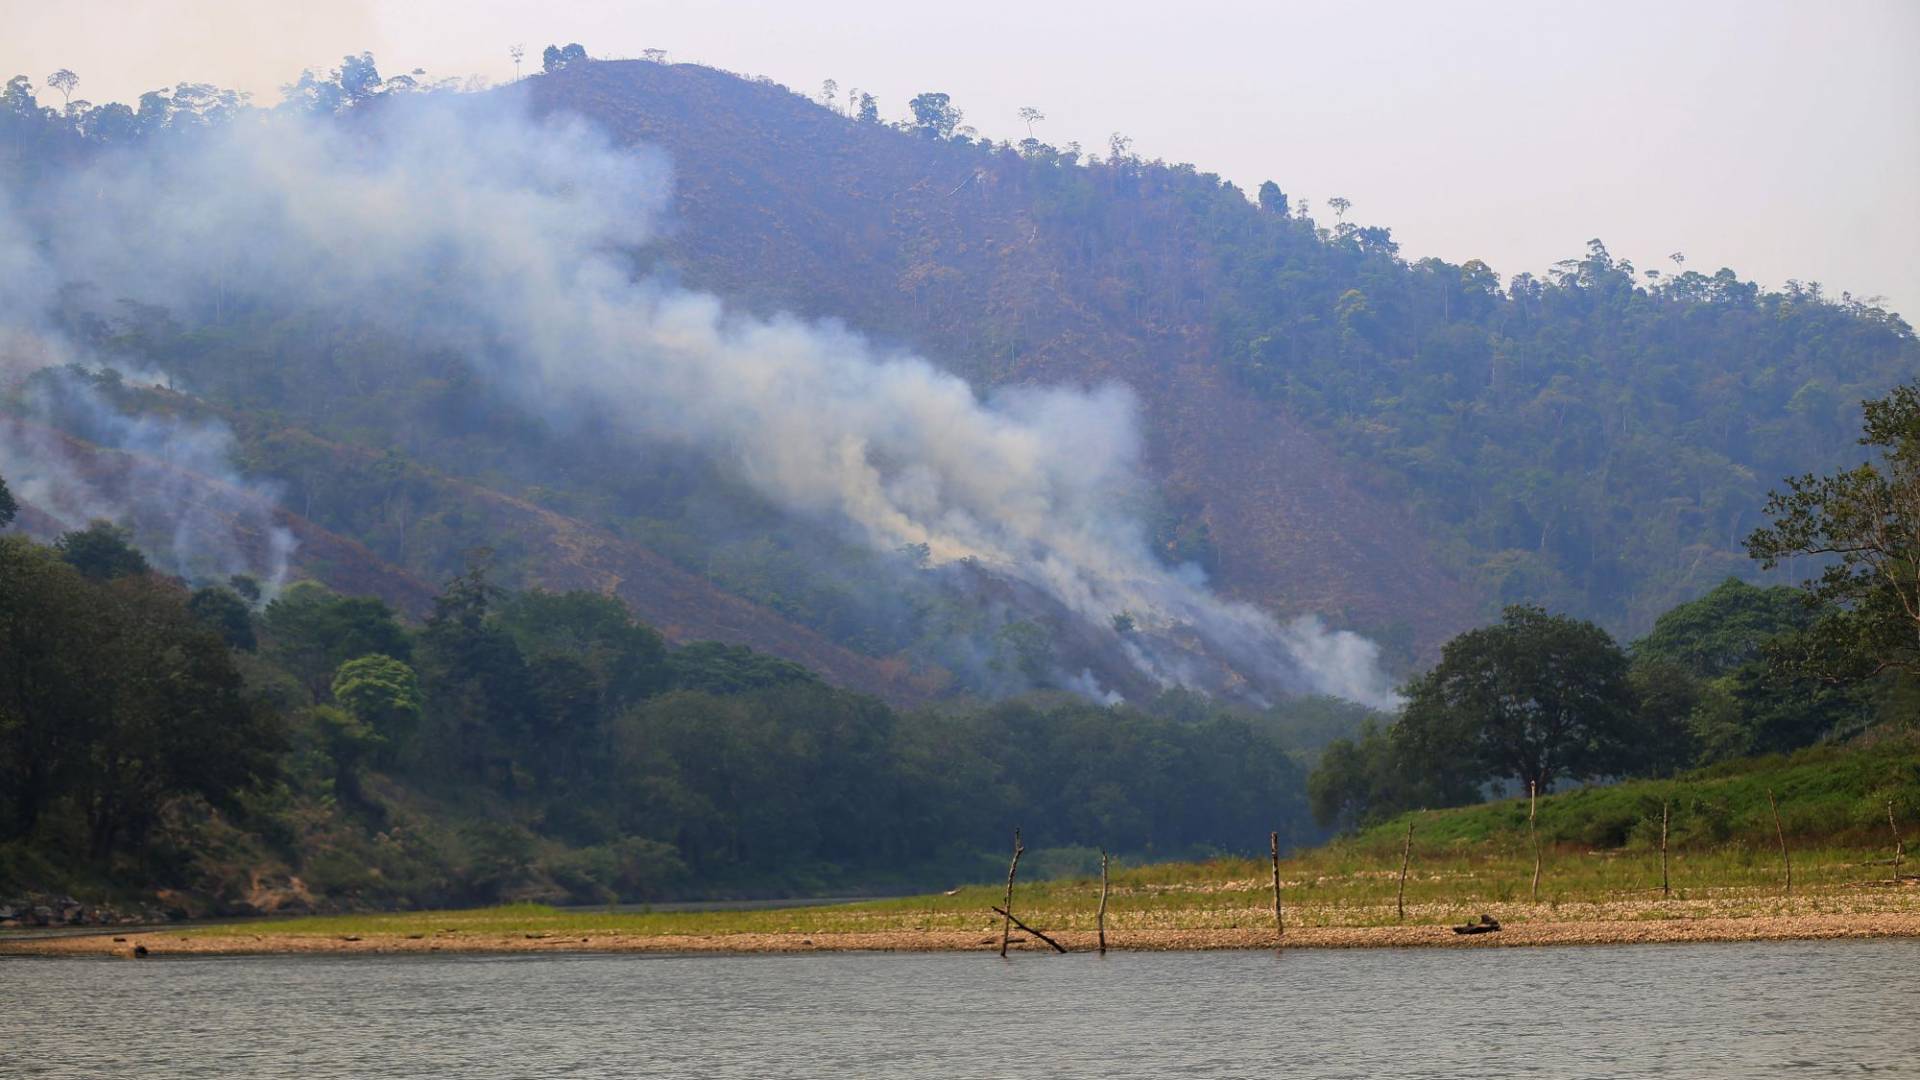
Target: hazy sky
x: 1782, y: 139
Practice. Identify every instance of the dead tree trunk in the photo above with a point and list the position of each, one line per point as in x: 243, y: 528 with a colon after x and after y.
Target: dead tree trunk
x: 1899, y: 847
x: 1664, y: 890
x: 1786, y: 863
x: 1533, y: 796
x: 1406, y: 855
x: 1006, y: 924
x: 1279, y: 922
x: 1101, y: 919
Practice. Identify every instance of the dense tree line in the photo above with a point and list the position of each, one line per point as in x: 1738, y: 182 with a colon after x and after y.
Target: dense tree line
x: 547, y: 744
x: 116, y: 700
x: 1599, y: 439
x: 1743, y: 670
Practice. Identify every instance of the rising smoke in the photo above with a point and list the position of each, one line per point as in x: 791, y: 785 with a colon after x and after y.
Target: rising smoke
x: 468, y: 224
x: 174, y: 483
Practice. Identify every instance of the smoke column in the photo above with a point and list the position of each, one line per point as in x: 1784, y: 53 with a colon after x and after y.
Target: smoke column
x: 467, y: 223
x: 192, y: 511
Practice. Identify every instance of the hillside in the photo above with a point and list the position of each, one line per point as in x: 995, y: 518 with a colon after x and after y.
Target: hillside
x: 1349, y: 427
x: 952, y: 251
x: 1325, y: 427
x: 571, y: 554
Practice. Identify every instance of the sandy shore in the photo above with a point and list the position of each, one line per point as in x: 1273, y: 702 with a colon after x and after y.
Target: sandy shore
x: 1615, y: 932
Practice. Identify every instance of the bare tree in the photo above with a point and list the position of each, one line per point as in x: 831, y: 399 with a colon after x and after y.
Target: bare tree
x: 516, y: 51
x: 1339, y: 206
x: 64, y: 81
x: 1031, y: 115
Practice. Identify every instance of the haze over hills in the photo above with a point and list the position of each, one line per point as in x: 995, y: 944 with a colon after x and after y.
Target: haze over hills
x: 1319, y: 427
x: 1084, y: 491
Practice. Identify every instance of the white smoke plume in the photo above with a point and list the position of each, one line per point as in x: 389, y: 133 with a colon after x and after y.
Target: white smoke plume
x: 472, y: 226
x: 191, y: 510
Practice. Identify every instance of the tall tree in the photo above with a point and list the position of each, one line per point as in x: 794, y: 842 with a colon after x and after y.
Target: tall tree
x: 102, y: 551
x: 934, y: 115
x: 1864, y: 524
x: 475, y: 681
x: 1725, y: 629
x: 1537, y: 698
x: 383, y: 694
x: 1272, y: 199
x: 558, y: 57
x: 64, y: 81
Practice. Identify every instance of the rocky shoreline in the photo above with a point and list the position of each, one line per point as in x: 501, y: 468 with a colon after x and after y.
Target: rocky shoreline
x: 54, y: 910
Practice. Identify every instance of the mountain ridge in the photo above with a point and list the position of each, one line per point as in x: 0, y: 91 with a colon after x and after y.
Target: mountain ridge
x: 1302, y: 538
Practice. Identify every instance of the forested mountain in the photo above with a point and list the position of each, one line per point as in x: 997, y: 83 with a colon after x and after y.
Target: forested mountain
x: 1400, y: 447
x: 1599, y: 440
x: 643, y: 479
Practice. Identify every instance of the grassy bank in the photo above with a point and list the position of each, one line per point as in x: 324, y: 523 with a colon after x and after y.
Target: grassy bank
x: 1600, y: 880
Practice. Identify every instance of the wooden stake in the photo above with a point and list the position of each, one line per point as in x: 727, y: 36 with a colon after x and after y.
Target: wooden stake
x: 1532, y: 797
x: 1057, y: 947
x: 1007, y: 923
x: 1779, y: 831
x: 1664, y: 891
x: 1102, y: 918
x: 1279, y: 923
x: 1899, y: 848
x: 1406, y: 854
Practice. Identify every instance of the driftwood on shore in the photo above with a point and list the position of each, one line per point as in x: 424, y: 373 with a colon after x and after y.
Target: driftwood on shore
x: 1057, y: 947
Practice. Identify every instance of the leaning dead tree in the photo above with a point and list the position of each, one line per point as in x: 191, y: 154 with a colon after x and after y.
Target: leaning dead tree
x: 1057, y: 947
x: 1279, y: 922
x: 1006, y: 924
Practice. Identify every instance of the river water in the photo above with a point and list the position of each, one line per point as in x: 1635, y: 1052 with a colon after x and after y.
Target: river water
x: 1747, y: 1010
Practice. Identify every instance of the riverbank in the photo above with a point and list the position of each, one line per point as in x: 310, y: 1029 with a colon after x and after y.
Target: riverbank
x: 1893, y: 913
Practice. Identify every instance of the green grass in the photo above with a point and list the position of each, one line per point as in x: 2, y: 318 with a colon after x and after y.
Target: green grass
x: 1600, y: 859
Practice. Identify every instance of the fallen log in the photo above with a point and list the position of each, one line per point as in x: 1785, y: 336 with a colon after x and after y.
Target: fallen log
x: 1486, y: 925
x: 1057, y: 947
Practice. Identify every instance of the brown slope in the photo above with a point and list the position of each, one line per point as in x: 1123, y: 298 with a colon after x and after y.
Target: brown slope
x: 782, y: 204
x: 570, y: 554
x: 146, y: 493
x: 566, y: 553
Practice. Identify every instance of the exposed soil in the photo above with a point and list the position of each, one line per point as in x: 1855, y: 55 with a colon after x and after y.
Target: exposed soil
x: 1610, y: 932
